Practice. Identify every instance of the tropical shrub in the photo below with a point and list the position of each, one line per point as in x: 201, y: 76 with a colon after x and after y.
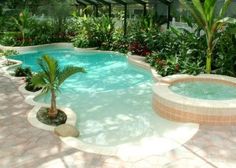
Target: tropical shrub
x: 142, y: 35
x: 225, y: 54
x: 211, y: 22
x: 29, y: 85
x: 51, y: 78
x: 22, y: 72
x: 26, y: 29
x: 8, y: 38
x: 41, y: 32
x: 178, y: 51
x: 23, y: 23
x: 8, y: 53
x: 139, y: 49
x: 93, y: 32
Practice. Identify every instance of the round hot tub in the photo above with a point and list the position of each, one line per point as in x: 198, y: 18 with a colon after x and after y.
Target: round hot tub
x: 205, y: 99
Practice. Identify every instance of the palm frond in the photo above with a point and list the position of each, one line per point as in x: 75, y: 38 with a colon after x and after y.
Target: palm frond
x: 200, y: 8
x: 224, y: 8
x: 67, y: 72
x: 52, y: 66
x: 44, y: 67
x: 209, y: 8
x: 195, y: 13
x: 227, y: 20
x: 39, y: 80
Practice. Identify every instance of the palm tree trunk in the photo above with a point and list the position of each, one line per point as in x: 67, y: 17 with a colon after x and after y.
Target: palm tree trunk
x: 208, y: 62
x: 209, y: 52
x: 53, y: 110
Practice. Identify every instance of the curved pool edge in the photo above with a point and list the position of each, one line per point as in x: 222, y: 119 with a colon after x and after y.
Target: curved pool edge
x: 78, y: 144
x: 23, y: 49
x: 126, y: 152
x: 133, y: 152
x: 140, y: 62
x: 180, y: 108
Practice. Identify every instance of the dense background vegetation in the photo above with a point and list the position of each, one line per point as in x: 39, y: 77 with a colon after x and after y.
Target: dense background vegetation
x: 169, y: 52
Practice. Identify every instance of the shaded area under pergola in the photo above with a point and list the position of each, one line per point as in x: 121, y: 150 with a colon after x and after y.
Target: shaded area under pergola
x: 124, y: 3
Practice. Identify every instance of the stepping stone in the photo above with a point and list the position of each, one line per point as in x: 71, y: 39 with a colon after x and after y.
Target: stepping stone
x: 66, y: 130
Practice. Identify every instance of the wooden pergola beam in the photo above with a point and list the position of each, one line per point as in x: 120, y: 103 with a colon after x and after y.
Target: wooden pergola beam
x: 120, y: 2
x: 144, y: 6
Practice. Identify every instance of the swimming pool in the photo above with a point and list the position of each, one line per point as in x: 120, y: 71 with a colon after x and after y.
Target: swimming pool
x: 112, y: 102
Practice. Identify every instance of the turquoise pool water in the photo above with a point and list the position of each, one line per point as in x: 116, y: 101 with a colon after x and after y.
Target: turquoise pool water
x: 112, y: 101
x: 205, y: 90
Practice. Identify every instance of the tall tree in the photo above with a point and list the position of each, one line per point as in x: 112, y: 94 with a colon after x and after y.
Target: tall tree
x: 211, y: 21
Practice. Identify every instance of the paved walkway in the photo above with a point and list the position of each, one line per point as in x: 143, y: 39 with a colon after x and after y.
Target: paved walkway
x: 22, y: 145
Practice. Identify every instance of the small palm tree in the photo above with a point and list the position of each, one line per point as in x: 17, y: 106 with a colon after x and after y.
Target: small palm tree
x: 51, y: 77
x: 22, y: 23
x: 206, y: 18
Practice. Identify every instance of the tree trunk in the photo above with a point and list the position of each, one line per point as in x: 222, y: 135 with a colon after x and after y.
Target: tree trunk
x: 209, y: 52
x: 53, y: 110
x: 208, y: 62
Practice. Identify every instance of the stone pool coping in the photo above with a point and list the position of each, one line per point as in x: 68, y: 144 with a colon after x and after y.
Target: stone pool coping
x: 185, y: 109
x: 140, y: 62
x: 71, y: 116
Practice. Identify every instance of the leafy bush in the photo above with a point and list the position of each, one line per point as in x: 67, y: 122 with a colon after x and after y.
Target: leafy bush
x: 143, y: 35
x: 29, y: 85
x: 8, y: 39
x: 139, y: 49
x: 225, y: 54
x: 20, y: 72
x: 93, y: 32
x: 118, y: 42
x: 178, y: 52
x: 25, y: 29
x: 8, y: 53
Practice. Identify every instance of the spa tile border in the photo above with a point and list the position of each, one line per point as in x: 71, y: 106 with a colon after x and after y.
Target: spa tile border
x: 185, y: 109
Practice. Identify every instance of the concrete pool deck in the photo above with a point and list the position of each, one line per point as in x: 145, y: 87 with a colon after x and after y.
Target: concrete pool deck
x: 22, y: 145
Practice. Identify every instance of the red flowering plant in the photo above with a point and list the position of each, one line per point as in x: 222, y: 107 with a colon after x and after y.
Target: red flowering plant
x: 139, y: 49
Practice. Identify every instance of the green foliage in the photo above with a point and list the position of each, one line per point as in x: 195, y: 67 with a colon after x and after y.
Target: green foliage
x: 211, y: 22
x: 59, y: 11
x: 8, y: 53
x: 38, y: 32
x: 24, y: 28
x: 225, y: 54
x: 51, y: 77
x: 92, y: 32
x: 119, y: 42
x: 29, y: 85
x: 22, y: 72
x: 8, y: 39
x: 178, y: 52
x: 22, y: 23
x: 143, y: 35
